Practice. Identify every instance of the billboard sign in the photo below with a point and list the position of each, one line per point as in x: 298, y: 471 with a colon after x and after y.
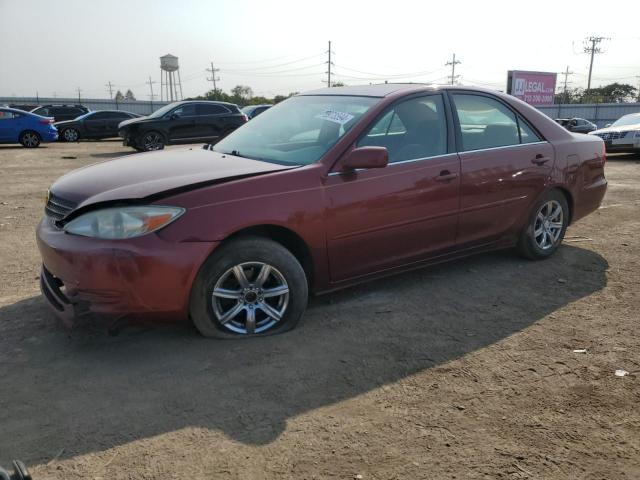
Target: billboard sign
x: 535, y: 88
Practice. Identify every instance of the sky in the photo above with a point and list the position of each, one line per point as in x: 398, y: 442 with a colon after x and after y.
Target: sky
x: 279, y: 46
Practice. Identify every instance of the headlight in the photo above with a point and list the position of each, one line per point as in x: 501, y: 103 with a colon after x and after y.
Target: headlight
x: 123, y: 222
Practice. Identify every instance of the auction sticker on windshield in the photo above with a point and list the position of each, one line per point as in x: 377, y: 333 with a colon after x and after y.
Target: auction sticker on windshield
x: 336, y: 117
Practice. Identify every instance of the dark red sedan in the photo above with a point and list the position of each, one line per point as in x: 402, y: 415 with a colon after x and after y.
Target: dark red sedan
x: 326, y: 189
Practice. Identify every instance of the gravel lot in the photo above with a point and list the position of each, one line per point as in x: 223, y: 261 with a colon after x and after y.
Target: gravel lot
x: 465, y: 370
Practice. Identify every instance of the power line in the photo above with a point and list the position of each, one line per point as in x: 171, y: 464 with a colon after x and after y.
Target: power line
x: 453, y: 64
x: 566, y: 74
x: 329, y: 63
x: 592, y: 49
x: 151, y: 96
x: 110, y: 85
x: 214, y: 79
x: 268, y: 67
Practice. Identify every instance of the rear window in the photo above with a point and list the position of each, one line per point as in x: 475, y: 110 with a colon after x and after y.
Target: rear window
x: 211, y: 109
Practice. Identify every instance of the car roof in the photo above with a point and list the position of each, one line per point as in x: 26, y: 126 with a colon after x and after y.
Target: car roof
x: 381, y: 90
x: 216, y: 102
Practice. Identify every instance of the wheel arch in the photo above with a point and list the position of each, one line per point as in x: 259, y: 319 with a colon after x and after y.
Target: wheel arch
x: 569, y: 197
x: 286, y: 237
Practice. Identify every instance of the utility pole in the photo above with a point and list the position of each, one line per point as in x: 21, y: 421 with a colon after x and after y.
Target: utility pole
x: 79, y: 100
x: 638, y: 99
x: 150, y: 83
x: 109, y: 86
x: 38, y: 97
x: 566, y: 74
x: 453, y: 64
x: 329, y: 63
x: 592, y: 49
x: 214, y: 79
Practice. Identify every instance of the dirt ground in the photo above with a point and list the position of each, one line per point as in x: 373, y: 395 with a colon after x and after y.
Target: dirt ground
x: 465, y: 370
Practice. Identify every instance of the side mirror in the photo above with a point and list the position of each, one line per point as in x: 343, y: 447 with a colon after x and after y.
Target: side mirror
x: 174, y: 116
x: 365, y: 157
x: 607, y: 125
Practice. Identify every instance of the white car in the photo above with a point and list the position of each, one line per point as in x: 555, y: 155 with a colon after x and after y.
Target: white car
x: 623, y: 135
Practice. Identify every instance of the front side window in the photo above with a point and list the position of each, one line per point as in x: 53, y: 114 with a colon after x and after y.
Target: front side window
x: 485, y: 122
x: 297, y: 131
x: 410, y: 130
x: 188, y: 110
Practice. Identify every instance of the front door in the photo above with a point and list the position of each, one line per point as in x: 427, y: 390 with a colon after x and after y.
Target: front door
x: 384, y: 218
x: 95, y: 124
x: 182, y: 125
x: 505, y: 165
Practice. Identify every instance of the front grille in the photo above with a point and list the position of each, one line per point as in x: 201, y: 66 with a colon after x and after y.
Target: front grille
x: 611, y: 135
x: 57, y: 208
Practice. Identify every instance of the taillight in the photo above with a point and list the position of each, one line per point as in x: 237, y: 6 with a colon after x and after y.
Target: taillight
x: 46, y: 121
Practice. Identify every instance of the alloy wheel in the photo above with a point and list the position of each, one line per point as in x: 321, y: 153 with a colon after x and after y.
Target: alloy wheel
x: 249, y: 298
x: 70, y: 135
x: 548, y: 224
x: 153, y: 141
x: 30, y: 139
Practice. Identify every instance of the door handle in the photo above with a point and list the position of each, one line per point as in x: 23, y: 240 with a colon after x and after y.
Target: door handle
x: 445, y: 176
x: 540, y: 159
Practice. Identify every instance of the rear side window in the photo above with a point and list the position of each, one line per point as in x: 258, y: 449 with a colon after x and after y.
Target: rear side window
x: 212, y: 109
x: 487, y: 123
x: 527, y: 135
x: 411, y: 130
x: 99, y: 116
x: 4, y: 115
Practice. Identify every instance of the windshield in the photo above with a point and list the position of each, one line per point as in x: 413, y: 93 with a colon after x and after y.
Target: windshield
x: 632, y: 119
x: 163, y: 111
x: 298, y: 131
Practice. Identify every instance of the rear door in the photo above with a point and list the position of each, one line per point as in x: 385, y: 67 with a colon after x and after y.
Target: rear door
x: 384, y: 218
x: 95, y: 124
x: 112, y: 121
x: 8, y: 122
x: 505, y: 165
x: 211, y: 120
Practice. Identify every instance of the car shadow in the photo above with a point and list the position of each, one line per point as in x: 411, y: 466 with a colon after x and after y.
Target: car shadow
x: 86, y: 391
x: 20, y: 147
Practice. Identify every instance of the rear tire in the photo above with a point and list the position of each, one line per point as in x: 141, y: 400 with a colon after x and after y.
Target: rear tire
x: 270, y: 301
x: 545, y: 227
x: 30, y: 139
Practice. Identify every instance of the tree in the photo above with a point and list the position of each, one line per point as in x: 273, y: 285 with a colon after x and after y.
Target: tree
x: 241, y: 94
x: 338, y: 84
x: 129, y: 95
x: 119, y: 96
x: 613, y: 93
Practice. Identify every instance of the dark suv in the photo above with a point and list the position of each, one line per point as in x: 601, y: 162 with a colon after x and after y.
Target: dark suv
x: 61, y: 112
x: 182, y: 122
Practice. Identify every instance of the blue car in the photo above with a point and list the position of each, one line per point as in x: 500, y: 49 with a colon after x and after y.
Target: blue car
x: 26, y: 128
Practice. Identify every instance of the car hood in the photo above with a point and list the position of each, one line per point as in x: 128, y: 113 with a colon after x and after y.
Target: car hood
x: 621, y: 128
x: 147, y: 174
x: 124, y: 123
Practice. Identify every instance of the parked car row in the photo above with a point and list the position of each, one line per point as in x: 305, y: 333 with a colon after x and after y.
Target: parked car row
x: 176, y: 123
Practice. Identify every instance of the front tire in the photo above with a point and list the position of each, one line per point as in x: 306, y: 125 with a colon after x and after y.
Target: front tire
x: 249, y: 287
x: 545, y: 228
x: 30, y: 139
x: 70, y: 135
x: 152, y: 141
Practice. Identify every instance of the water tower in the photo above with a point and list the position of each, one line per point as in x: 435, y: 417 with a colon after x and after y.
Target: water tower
x: 170, y: 86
